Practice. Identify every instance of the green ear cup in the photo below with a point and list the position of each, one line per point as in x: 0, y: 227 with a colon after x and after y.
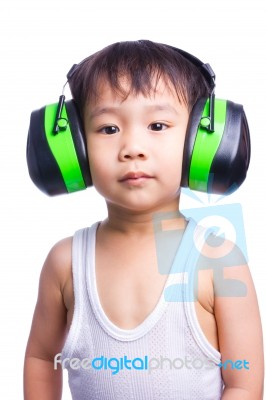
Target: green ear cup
x: 205, y: 147
x: 63, y: 149
x: 57, y: 163
x: 216, y: 162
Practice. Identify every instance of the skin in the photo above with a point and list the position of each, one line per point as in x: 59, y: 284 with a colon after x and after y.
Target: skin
x: 130, y: 135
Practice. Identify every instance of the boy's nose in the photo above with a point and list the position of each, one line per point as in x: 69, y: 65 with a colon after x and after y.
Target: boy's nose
x: 132, y: 153
x: 132, y: 149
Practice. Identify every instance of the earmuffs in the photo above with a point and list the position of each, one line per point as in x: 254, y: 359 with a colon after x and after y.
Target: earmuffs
x: 216, y: 152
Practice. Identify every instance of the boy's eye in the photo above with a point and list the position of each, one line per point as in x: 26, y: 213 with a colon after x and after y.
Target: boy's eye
x: 157, y: 126
x: 109, y: 130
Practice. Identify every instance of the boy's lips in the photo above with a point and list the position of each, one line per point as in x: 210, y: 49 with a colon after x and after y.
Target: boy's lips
x: 135, y: 177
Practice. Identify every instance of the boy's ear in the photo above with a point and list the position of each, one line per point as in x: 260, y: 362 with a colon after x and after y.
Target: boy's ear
x: 57, y: 158
x: 216, y: 162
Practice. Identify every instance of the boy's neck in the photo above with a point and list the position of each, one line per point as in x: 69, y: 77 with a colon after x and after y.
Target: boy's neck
x: 134, y: 223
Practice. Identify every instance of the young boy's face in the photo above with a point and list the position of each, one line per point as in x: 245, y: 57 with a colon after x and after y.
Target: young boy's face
x: 135, y: 147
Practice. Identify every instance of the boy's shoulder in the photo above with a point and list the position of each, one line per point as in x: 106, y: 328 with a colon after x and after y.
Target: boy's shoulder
x: 223, y: 263
x: 58, y: 263
x: 218, y: 252
x: 60, y: 252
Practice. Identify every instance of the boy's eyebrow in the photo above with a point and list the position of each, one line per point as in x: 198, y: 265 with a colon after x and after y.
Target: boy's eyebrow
x: 113, y: 110
x: 163, y: 107
x: 104, y: 110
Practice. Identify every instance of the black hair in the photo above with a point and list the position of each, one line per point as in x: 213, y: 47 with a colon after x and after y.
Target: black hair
x: 143, y: 63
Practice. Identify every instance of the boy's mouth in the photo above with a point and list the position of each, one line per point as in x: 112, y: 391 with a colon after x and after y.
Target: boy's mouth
x: 135, y: 177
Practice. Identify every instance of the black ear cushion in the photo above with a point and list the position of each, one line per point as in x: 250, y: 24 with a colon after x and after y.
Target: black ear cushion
x: 192, y: 129
x: 79, y: 140
x: 231, y: 162
x: 42, y: 166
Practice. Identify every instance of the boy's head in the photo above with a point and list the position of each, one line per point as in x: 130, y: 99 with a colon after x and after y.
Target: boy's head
x: 142, y: 63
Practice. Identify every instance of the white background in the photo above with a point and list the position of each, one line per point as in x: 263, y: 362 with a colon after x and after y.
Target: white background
x: 39, y: 42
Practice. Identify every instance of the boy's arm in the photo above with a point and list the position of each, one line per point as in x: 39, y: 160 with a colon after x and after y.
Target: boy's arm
x: 48, y: 331
x: 240, y: 339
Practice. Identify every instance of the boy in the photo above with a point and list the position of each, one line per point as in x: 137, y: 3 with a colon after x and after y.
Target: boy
x: 104, y: 311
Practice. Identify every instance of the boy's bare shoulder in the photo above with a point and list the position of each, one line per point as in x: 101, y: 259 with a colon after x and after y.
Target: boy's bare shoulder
x: 61, y: 251
x: 58, y: 263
